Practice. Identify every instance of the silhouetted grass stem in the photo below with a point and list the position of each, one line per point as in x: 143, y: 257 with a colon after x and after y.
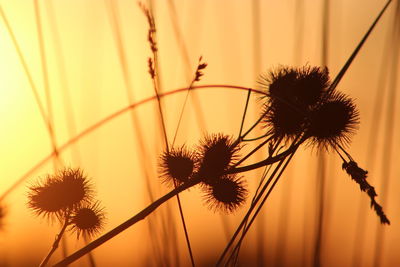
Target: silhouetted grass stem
x: 56, y: 242
x: 125, y: 225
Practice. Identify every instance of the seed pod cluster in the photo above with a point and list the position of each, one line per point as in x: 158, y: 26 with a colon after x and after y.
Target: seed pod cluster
x: 299, y: 102
x: 67, y: 196
x: 207, y: 165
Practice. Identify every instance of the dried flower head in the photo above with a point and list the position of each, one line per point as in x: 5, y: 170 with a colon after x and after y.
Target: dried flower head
x: 88, y: 220
x: 226, y: 194
x: 299, y: 87
x: 333, y: 121
x: 284, y: 121
x: 292, y: 94
x: 216, y: 153
x: 60, y: 192
x: 177, y: 165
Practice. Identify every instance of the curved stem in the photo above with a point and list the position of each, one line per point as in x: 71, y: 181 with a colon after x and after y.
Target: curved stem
x: 56, y: 242
x: 149, y: 209
x: 256, y: 138
x: 107, y: 119
x: 125, y: 225
x: 268, y: 161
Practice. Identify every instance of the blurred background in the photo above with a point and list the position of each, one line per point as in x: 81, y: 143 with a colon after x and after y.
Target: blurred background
x: 71, y: 64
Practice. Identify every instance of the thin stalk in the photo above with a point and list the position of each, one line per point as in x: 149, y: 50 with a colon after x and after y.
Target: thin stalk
x: 280, y: 159
x: 185, y: 229
x: 125, y: 225
x: 149, y: 209
x: 244, y: 112
x: 256, y: 194
x: 321, y: 173
x: 254, y: 125
x: 56, y: 242
x: 135, y: 123
x: 268, y: 161
x: 60, y: 59
x: 357, y: 49
x: 246, y: 229
x: 256, y: 138
x: 32, y: 84
x: 388, y: 138
x: 174, y: 15
x: 321, y: 180
x: 155, y: 71
x: 373, y: 137
x: 273, y: 150
x: 104, y: 121
x: 252, y: 152
x: 92, y: 262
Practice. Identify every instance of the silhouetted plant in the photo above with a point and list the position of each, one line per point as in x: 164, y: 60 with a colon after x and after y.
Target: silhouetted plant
x: 177, y: 165
x: 67, y: 196
x: 60, y: 193
x: 216, y: 153
x: 291, y: 94
x: 333, y: 121
x: 88, y: 220
x: 301, y: 106
x: 226, y: 194
x: 360, y: 177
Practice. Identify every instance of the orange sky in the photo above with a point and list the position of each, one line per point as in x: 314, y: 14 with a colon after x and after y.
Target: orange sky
x: 87, y: 43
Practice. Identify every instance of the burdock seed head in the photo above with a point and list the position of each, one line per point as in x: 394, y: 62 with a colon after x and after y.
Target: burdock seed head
x: 226, y: 194
x: 333, y: 121
x: 292, y: 93
x: 300, y: 87
x: 88, y: 220
x: 216, y: 153
x: 177, y: 165
x: 284, y: 121
x: 60, y: 193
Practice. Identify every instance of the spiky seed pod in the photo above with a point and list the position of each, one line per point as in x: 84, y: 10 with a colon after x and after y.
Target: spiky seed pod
x: 299, y: 87
x: 312, y: 83
x: 59, y: 193
x: 292, y: 93
x: 284, y: 121
x: 333, y: 121
x: 88, y: 220
x: 226, y: 194
x: 177, y: 165
x: 217, y: 153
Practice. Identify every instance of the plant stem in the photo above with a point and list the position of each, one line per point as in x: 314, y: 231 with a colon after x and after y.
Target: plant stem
x: 108, y: 119
x: 267, y: 161
x: 56, y: 242
x: 149, y: 209
x: 125, y: 225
